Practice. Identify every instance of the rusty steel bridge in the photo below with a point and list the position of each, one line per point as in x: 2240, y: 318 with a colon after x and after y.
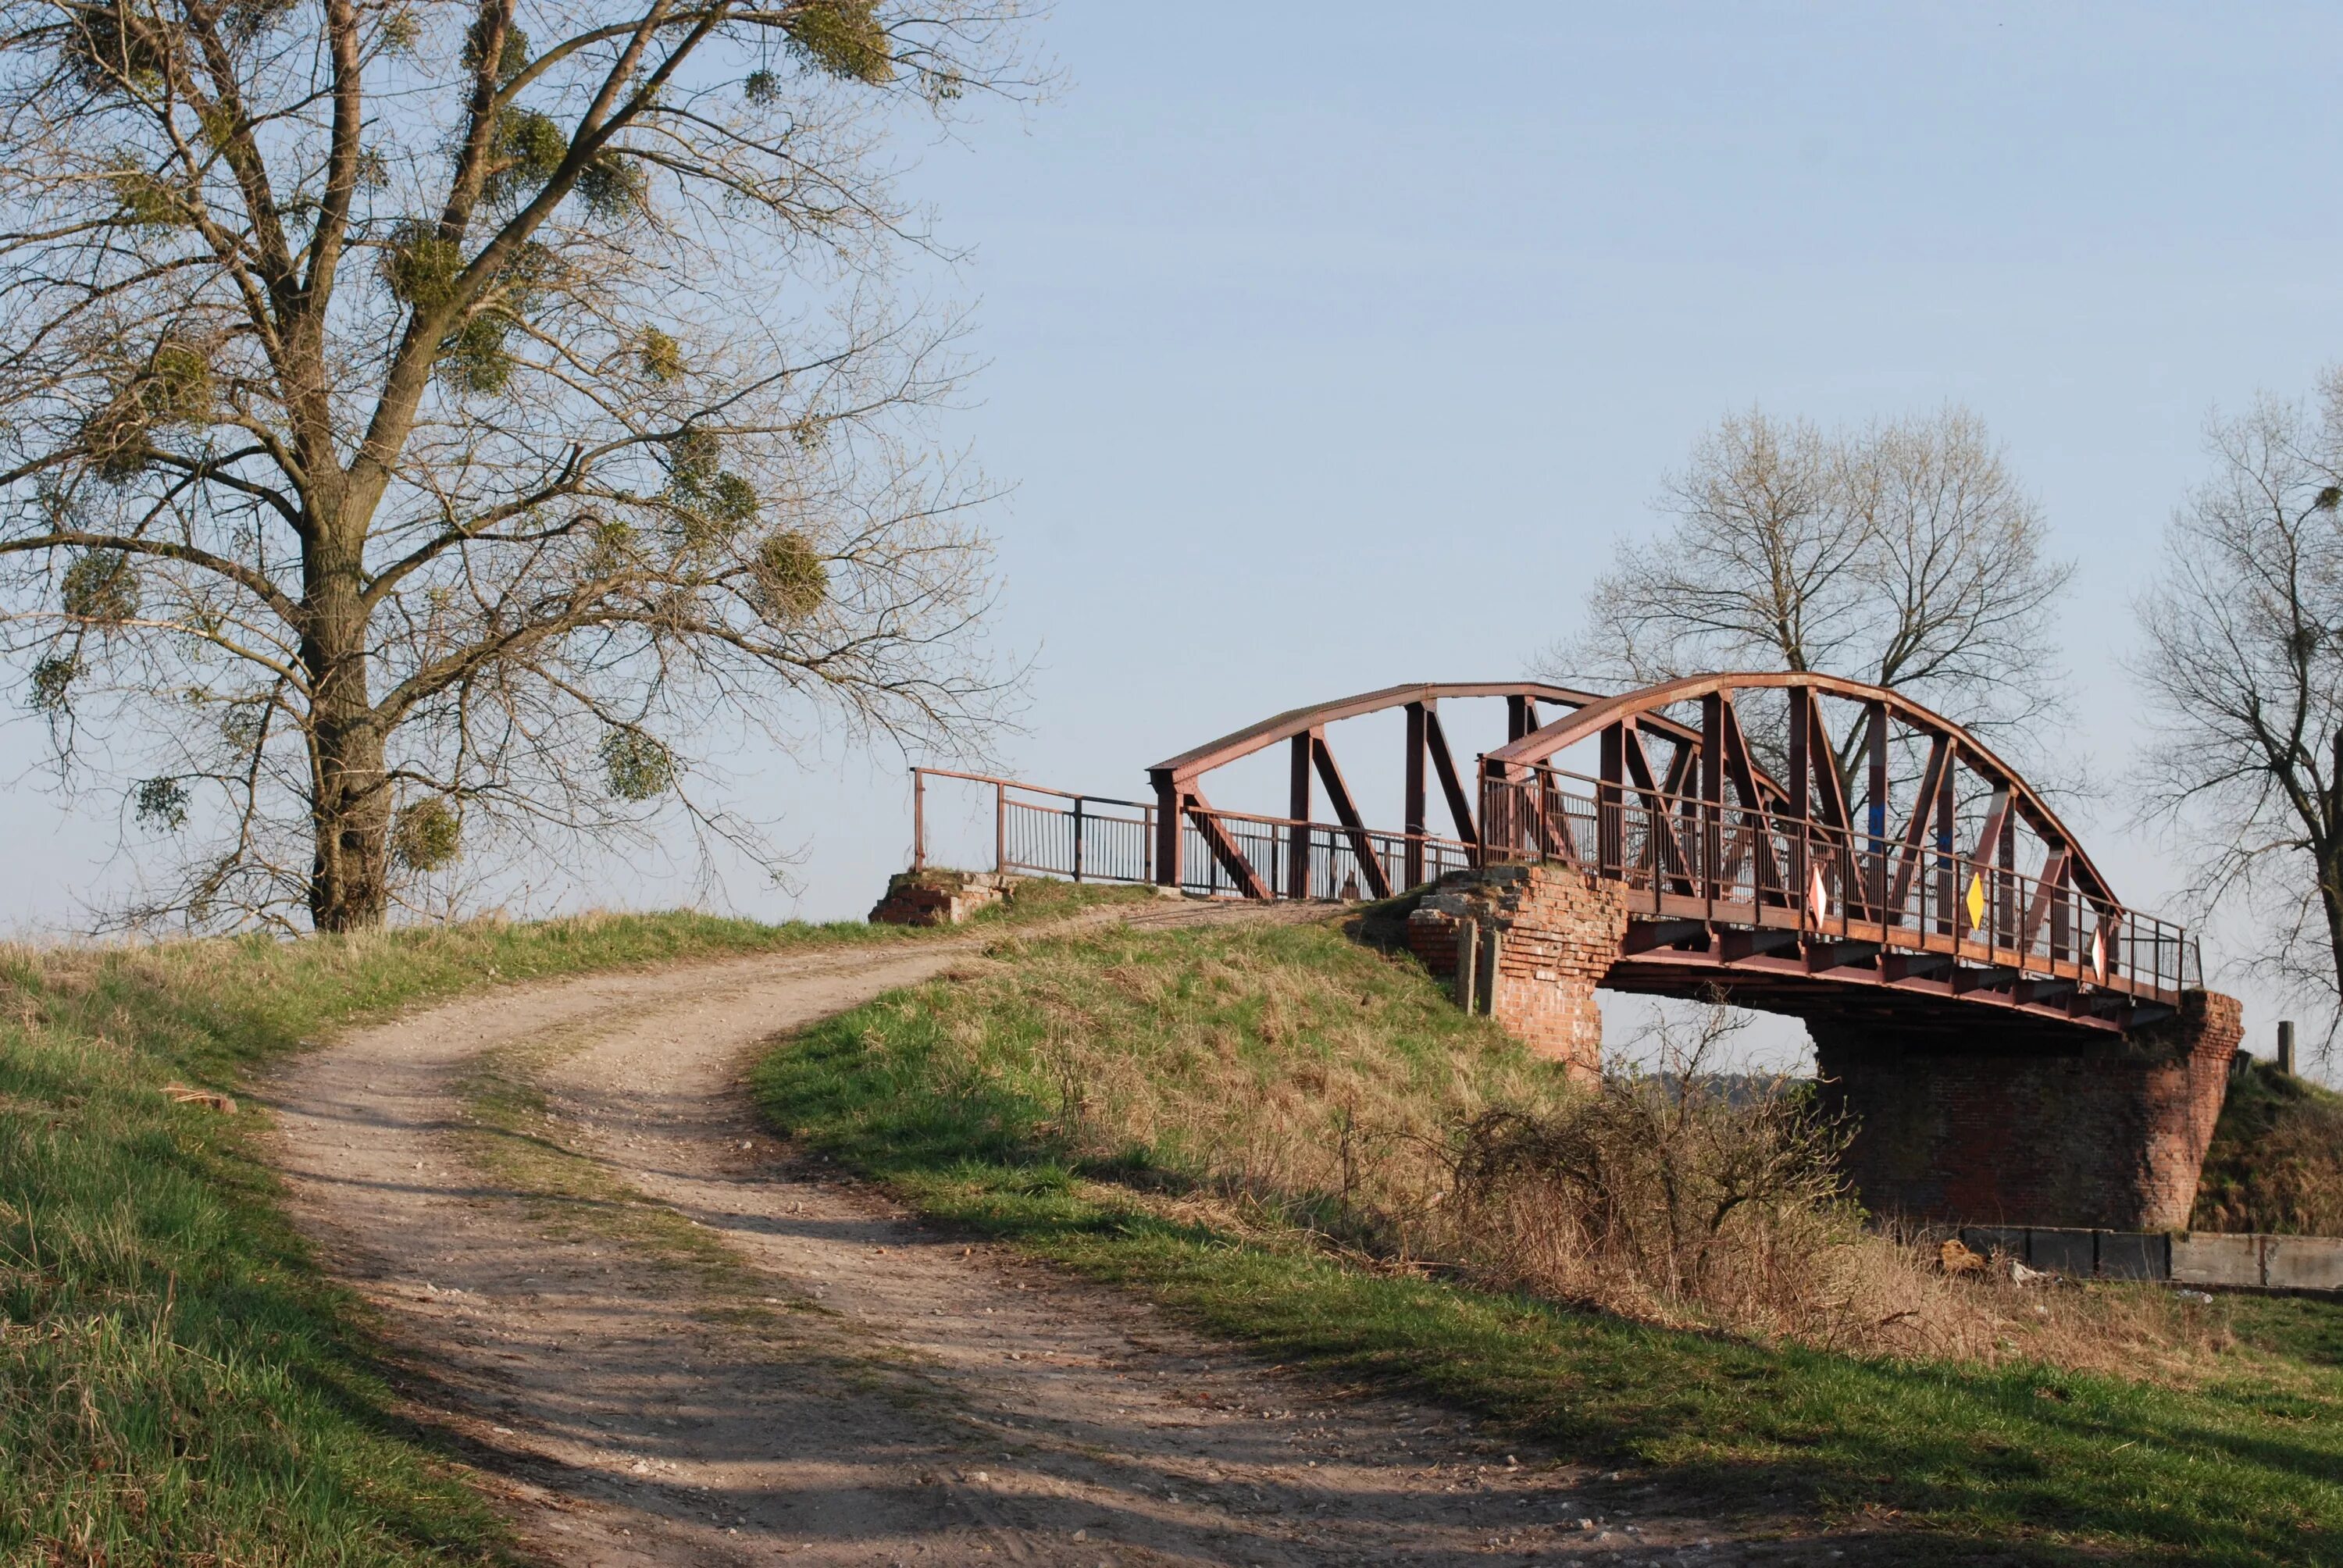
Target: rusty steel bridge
x: 1889, y: 852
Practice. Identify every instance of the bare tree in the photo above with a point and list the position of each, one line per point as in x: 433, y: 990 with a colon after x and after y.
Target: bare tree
x: 422, y: 420
x: 2243, y: 663
x: 1906, y: 555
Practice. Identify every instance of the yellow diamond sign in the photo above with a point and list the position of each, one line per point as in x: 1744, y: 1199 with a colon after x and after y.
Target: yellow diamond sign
x: 1976, y: 901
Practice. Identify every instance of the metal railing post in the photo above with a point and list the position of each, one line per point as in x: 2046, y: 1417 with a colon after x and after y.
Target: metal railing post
x: 1078, y: 838
x: 919, y: 819
x: 1000, y: 828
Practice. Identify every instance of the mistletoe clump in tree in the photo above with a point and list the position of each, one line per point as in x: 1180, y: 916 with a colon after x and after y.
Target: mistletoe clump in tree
x: 421, y: 420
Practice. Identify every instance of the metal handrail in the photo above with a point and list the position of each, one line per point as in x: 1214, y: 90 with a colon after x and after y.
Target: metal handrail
x: 1019, y: 784
x: 1013, y: 833
x: 1320, y: 859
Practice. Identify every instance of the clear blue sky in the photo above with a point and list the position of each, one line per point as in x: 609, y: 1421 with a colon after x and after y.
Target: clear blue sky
x: 1334, y: 345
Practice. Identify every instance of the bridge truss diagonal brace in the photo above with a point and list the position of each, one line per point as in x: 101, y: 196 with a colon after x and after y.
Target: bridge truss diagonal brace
x: 1818, y: 804
x: 1452, y: 783
x: 1640, y: 776
x: 1346, y: 812
x: 1732, y: 746
x: 1225, y: 849
x: 1935, y: 783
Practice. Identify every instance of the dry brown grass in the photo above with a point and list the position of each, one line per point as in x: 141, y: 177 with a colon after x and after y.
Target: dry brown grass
x: 1281, y: 1084
x: 1700, y: 1198
x: 1246, y: 1072
x: 2277, y: 1160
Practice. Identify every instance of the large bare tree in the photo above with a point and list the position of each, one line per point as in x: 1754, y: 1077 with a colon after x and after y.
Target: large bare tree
x: 2243, y: 663
x: 422, y: 421
x: 1905, y: 554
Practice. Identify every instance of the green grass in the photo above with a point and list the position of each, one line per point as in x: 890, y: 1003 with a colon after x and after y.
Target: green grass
x: 178, y: 1384
x: 946, y: 1092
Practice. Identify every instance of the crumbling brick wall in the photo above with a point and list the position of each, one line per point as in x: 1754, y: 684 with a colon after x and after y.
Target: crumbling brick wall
x: 1556, y: 933
x: 935, y: 897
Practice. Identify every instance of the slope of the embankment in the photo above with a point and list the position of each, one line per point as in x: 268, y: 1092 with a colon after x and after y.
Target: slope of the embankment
x: 2275, y: 1163
x: 1261, y: 1130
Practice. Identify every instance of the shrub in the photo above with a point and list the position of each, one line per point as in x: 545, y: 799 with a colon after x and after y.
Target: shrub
x: 1693, y: 1197
x: 1664, y: 1190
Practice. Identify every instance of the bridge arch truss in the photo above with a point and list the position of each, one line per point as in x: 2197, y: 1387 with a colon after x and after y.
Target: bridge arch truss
x: 1891, y: 847
x: 1201, y: 846
x: 1958, y: 878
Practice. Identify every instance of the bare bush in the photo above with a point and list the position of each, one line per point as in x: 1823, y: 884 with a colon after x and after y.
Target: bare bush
x: 1665, y: 1191
x: 1694, y: 1197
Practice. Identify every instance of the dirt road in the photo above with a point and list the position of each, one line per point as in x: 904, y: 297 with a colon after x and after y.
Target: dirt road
x: 800, y: 1372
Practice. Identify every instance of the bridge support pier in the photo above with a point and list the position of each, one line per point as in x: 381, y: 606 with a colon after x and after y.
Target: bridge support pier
x: 1960, y: 1113
x: 1954, y: 1125
x: 1554, y: 931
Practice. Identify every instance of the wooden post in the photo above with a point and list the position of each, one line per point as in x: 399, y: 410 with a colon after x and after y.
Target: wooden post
x: 1468, y: 964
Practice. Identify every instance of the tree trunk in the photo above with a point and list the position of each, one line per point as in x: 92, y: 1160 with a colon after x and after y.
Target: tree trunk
x: 2330, y: 899
x: 349, y: 888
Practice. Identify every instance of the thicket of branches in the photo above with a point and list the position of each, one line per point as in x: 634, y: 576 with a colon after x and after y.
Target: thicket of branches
x: 1674, y: 1186
x: 1905, y: 554
x: 2243, y: 664
x: 423, y: 422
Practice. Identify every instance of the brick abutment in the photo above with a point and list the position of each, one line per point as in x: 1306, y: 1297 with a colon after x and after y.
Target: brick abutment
x: 1545, y: 937
x: 2111, y: 1135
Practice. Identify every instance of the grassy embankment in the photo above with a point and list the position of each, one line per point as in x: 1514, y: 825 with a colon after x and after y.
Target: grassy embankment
x: 181, y: 1386
x: 2276, y: 1161
x: 1196, y: 1114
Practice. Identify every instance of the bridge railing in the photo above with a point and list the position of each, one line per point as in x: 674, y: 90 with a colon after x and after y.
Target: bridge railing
x: 1687, y: 858
x: 1283, y: 857
x: 1032, y: 831
x: 1036, y: 830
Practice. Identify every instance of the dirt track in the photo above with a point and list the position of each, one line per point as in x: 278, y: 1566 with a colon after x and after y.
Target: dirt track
x: 842, y: 1386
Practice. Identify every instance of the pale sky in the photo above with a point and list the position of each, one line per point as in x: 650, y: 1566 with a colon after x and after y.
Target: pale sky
x: 1331, y: 346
